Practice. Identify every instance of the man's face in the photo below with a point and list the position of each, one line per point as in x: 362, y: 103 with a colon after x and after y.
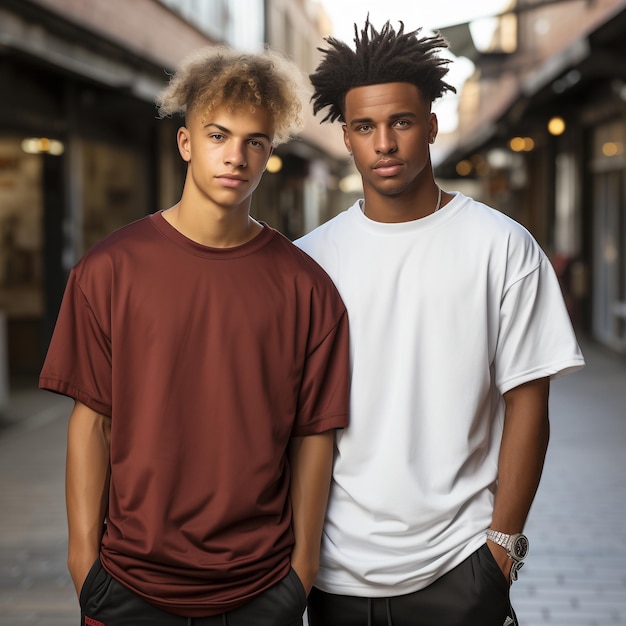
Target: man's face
x: 227, y: 152
x: 388, y: 128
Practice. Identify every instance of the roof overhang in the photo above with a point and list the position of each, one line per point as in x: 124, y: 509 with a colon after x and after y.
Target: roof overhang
x: 599, y: 54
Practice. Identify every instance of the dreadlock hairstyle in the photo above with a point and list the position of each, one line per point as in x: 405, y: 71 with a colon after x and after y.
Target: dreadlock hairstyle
x: 380, y: 57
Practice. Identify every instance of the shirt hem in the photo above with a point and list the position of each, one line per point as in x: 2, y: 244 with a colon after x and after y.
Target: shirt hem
x: 66, y: 389
x: 331, y: 422
x: 375, y: 590
x: 197, y: 609
x: 552, y: 371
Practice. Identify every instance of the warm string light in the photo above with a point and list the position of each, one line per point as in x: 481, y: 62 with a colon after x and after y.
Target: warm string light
x: 42, y: 145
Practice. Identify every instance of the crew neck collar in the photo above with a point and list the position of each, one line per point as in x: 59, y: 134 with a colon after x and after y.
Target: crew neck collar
x: 423, y: 223
x: 176, y: 237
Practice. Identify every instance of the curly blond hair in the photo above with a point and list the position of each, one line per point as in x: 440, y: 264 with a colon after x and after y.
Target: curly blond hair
x: 218, y: 75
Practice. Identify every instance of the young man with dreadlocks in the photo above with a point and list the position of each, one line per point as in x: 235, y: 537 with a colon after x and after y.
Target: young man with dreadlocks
x: 457, y: 325
x: 208, y: 359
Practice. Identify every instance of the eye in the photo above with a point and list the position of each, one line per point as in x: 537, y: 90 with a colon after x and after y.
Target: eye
x: 402, y: 124
x: 255, y: 143
x: 364, y: 128
x: 217, y: 136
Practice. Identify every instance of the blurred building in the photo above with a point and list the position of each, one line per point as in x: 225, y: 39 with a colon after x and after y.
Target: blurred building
x: 542, y: 130
x: 81, y: 150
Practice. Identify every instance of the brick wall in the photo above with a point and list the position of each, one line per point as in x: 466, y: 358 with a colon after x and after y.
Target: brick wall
x: 146, y: 27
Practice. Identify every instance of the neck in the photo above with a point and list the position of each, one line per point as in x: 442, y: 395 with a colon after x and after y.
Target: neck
x: 404, y: 208
x: 213, y: 227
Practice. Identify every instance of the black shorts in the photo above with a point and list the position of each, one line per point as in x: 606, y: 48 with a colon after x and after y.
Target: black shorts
x: 106, y: 602
x: 475, y: 593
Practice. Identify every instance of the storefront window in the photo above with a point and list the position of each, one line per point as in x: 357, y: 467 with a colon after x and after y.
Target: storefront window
x: 609, y: 213
x: 114, y: 190
x: 21, y: 208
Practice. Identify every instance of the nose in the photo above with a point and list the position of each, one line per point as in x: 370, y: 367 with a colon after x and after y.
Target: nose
x: 385, y: 141
x: 235, y: 154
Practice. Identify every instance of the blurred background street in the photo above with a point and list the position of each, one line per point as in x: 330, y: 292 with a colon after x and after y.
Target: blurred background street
x: 35, y: 588
x: 575, y: 574
x: 576, y: 569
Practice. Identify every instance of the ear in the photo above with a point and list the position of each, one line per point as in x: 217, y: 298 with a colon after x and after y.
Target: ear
x: 346, y: 138
x: 433, y: 128
x: 183, y: 140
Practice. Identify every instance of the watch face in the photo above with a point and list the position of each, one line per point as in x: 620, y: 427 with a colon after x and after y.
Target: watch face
x: 520, y: 547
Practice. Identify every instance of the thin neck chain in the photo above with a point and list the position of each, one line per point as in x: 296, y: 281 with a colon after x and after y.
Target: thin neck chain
x: 438, y: 200
x: 437, y: 206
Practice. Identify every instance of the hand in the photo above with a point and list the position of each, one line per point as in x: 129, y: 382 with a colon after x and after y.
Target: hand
x: 307, y: 575
x: 502, y: 559
x: 79, y: 568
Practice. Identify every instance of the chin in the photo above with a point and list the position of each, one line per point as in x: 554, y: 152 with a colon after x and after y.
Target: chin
x: 391, y: 192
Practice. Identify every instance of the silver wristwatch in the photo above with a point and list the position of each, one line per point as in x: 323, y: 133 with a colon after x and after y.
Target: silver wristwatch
x: 516, y: 547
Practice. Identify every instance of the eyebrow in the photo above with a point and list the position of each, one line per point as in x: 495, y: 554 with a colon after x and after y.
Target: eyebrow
x: 394, y: 116
x: 227, y: 131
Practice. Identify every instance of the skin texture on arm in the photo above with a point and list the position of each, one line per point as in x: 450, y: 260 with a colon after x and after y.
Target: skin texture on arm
x: 87, y: 475
x: 311, y: 461
x: 522, y: 454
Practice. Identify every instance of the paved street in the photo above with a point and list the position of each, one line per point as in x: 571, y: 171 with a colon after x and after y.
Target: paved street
x: 575, y: 574
x: 35, y: 589
x: 576, y: 569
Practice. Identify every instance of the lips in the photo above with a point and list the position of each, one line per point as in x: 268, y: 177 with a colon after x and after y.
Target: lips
x: 388, y: 167
x: 231, y: 180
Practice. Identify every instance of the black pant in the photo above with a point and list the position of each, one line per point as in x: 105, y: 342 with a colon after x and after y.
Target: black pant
x: 106, y: 602
x: 475, y: 593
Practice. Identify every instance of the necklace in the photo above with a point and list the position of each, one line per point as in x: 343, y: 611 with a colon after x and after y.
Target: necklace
x: 438, y: 200
x: 437, y: 206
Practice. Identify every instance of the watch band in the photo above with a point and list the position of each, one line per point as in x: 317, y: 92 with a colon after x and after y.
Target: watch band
x: 502, y: 539
x: 516, y: 545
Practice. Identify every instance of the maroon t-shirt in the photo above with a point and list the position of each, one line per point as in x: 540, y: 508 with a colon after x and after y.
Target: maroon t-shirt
x: 208, y: 361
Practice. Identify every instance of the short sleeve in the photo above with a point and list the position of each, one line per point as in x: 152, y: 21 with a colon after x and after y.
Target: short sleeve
x: 78, y: 362
x: 536, y: 338
x: 324, y: 392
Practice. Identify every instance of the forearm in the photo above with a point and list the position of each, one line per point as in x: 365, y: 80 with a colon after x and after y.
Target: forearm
x: 522, y: 454
x: 311, y: 468
x: 86, y: 487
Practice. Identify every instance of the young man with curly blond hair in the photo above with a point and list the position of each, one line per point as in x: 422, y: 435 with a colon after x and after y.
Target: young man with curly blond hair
x: 457, y: 325
x: 208, y: 360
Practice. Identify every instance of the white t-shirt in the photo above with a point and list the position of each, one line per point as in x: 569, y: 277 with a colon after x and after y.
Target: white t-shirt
x: 446, y: 314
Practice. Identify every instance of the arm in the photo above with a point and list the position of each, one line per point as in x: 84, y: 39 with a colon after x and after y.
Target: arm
x: 87, y: 474
x: 522, y: 453
x: 311, y: 461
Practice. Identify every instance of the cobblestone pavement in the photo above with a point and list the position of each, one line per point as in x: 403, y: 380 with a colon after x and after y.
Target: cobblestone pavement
x: 576, y: 570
